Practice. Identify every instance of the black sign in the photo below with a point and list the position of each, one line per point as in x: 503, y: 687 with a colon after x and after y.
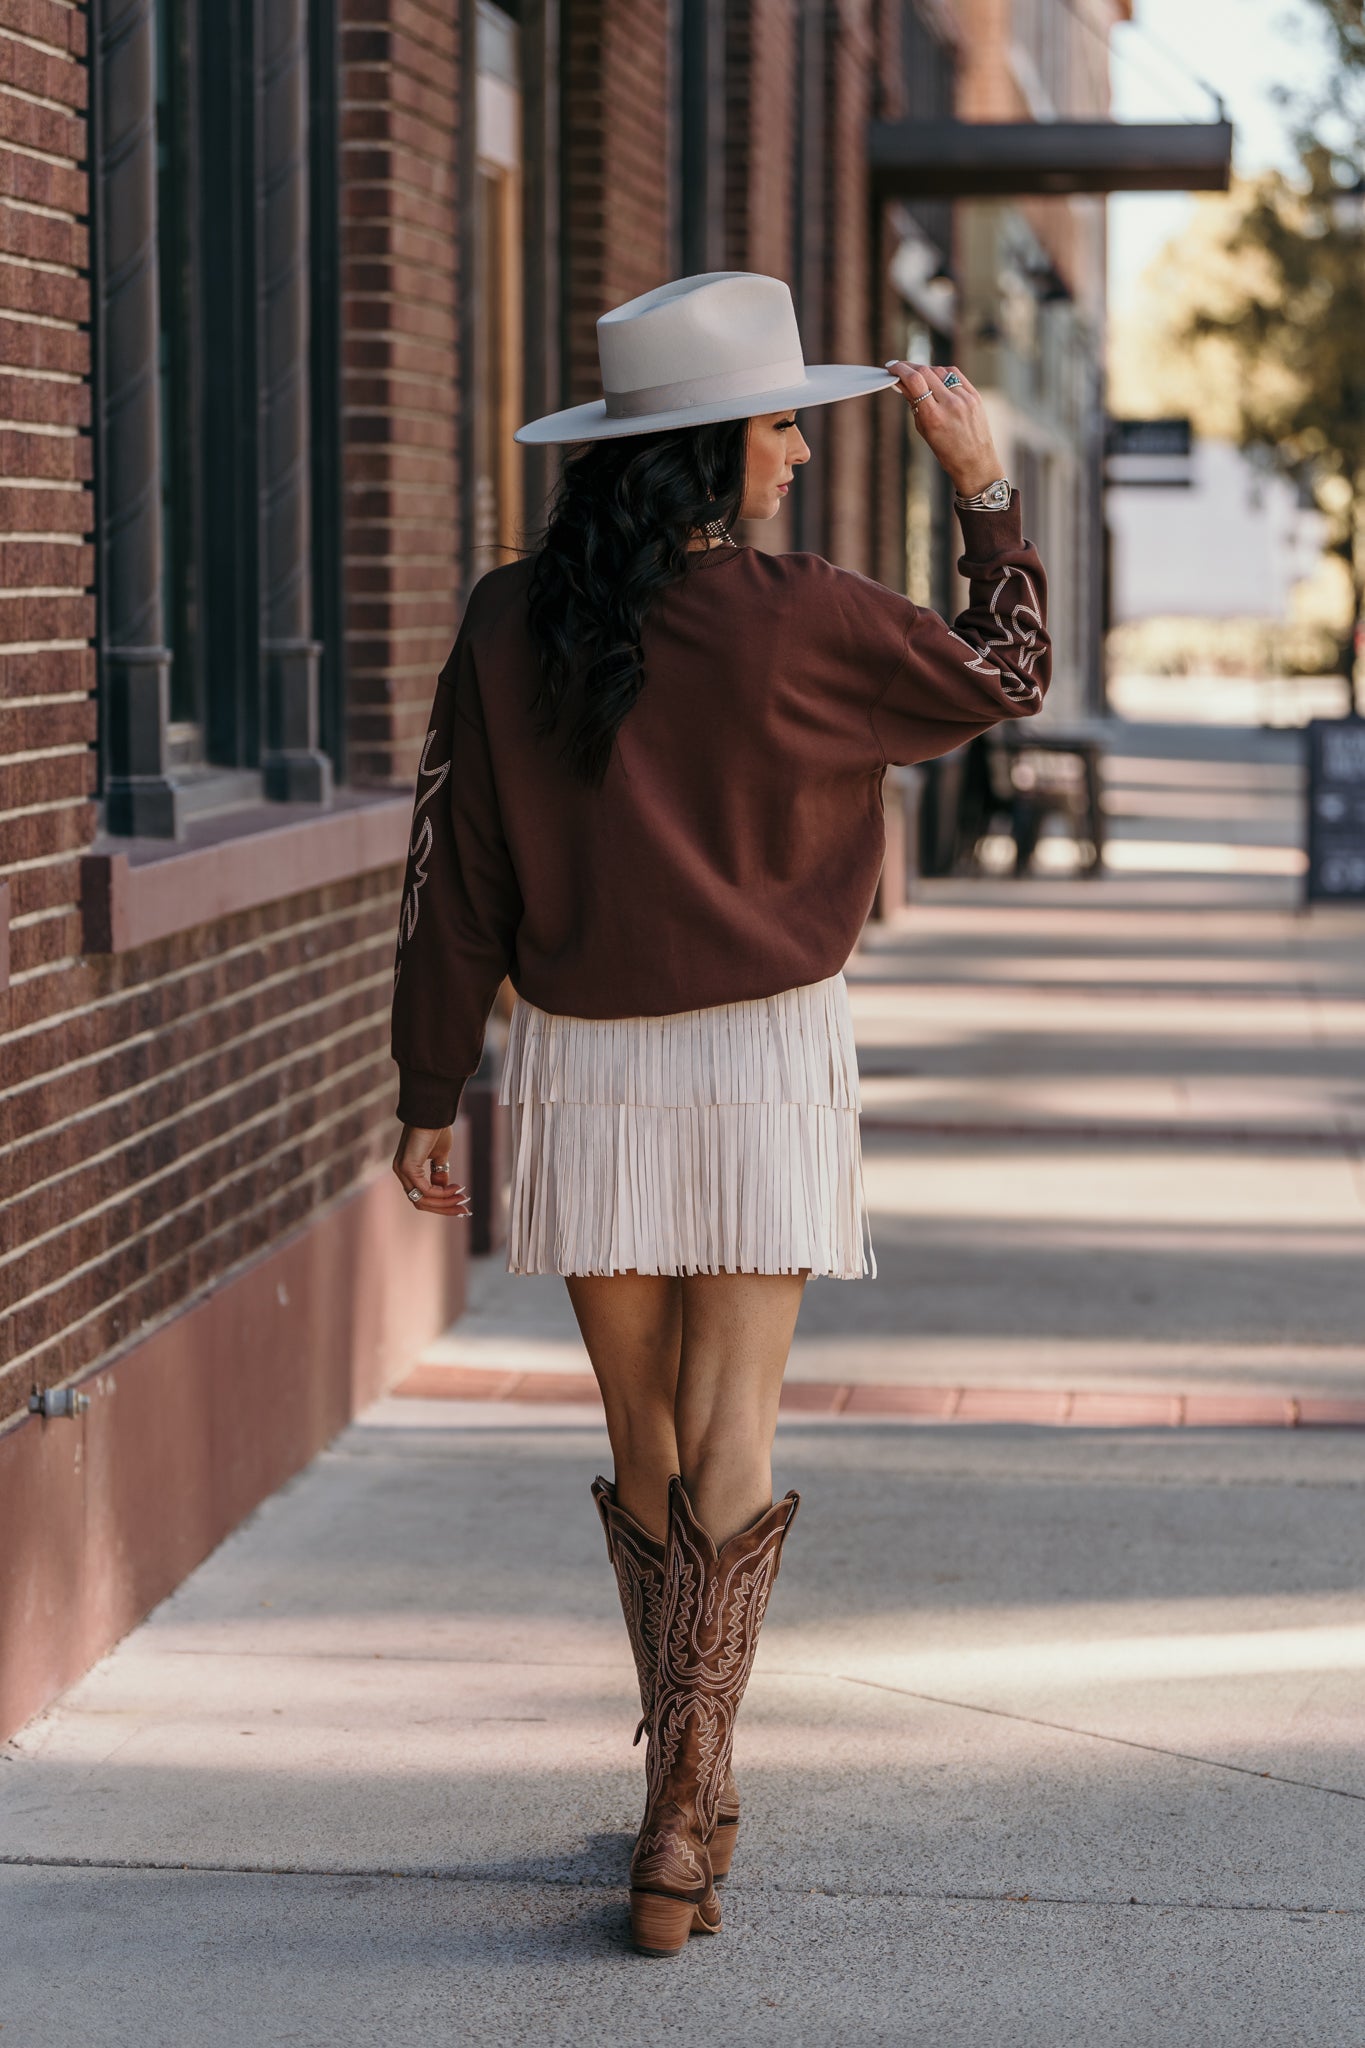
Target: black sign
x: 1336, y: 810
x: 1148, y: 437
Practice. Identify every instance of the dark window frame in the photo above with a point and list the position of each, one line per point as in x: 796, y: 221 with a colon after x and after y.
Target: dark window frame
x: 228, y: 476
x: 179, y: 365
x: 192, y: 744
x: 326, y: 447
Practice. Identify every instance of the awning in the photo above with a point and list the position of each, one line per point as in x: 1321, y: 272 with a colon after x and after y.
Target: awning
x: 949, y: 159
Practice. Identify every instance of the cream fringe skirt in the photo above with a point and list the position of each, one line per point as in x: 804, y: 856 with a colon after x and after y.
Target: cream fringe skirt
x: 709, y: 1141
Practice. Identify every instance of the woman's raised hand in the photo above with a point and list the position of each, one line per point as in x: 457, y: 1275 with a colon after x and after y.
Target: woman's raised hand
x: 952, y: 419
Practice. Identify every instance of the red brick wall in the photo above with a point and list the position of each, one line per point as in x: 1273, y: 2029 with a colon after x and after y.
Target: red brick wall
x: 760, y: 68
x: 987, y: 90
x: 399, y: 127
x: 174, y: 1111
x: 616, y: 119
x: 46, y: 562
x: 177, y: 1109
x: 47, y: 715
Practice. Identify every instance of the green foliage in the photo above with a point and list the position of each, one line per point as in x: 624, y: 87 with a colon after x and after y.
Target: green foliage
x: 1221, y: 647
x: 1302, y: 241
x: 1340, y: 104
x: 1307, y: 318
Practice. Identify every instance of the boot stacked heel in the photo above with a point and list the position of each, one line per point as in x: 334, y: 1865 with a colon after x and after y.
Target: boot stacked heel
x: 722, y: 1846
x: 662, y: 1927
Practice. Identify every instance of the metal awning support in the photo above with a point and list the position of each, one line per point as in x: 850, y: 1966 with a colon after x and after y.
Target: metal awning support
x: 950, y: 159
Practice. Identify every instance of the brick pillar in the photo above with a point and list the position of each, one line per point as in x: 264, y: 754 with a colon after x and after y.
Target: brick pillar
x: 760, y: 74
x: 761, y: 116
x: 806, y: 508
x: 615, y: 202
x: 402, y: 110
x: 849, y: 325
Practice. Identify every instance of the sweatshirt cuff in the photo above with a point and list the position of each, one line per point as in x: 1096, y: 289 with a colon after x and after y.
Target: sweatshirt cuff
x: 430, y: 1101
x: 986, y: 534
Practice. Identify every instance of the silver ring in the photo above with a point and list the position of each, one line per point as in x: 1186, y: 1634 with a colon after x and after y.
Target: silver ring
x: 951, y: 379
x: 920, y: 400
x: 414, y: 1194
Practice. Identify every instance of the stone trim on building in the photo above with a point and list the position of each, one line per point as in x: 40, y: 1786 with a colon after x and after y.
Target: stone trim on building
x: 134, y: 892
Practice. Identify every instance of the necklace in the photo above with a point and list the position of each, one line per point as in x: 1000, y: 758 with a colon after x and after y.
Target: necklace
x: 721, y: 532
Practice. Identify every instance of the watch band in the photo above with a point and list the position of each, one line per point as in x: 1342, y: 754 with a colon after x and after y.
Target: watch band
x: 995, y: 498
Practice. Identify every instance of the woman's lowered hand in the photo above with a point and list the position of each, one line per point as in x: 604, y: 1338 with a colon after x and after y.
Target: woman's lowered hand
x: 422, y: 1163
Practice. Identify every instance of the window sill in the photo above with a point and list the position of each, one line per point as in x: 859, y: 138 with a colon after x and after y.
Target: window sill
x: 134, y: 891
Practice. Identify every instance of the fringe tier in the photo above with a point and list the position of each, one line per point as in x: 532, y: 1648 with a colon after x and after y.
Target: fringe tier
x: 715, y: 1140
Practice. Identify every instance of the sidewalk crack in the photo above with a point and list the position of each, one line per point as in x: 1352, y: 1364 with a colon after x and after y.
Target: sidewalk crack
x: 1212, y: 1763
x: 571, y: 1881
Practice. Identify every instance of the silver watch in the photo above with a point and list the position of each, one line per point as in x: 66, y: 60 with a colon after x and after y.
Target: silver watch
x: 995, y: 498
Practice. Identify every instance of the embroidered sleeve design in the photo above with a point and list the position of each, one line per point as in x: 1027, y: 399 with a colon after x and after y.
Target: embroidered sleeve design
x: 1014, y: 630
x: 954, y: 681
x: 419, y: 847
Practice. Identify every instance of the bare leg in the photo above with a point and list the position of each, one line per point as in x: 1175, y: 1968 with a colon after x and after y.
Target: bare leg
x: 736, y: 1333
x: 690, y: 1370
x: 632, y: 1326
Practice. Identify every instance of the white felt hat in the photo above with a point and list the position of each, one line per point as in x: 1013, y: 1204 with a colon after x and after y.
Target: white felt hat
x: 722, y: 346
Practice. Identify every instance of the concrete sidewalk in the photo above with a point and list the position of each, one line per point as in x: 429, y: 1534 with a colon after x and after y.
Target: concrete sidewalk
x: 1053, y: 1739
x: 1056, y: 1736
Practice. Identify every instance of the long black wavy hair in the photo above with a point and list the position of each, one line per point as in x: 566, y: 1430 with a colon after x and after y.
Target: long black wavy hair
x: 617, y: 535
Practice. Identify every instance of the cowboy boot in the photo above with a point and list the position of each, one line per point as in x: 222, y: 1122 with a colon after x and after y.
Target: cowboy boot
x: 710, y: 1615
x: 638, y: 1562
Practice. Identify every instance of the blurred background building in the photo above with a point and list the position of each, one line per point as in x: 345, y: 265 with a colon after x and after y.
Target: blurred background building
x: 276, y: 285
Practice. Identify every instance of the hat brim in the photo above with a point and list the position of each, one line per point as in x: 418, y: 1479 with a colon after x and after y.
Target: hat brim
x: 824, y: 383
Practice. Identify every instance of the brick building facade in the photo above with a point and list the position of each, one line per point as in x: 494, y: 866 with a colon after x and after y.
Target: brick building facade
x: 275, y: 286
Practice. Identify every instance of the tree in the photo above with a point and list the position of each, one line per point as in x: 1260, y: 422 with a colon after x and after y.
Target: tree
x: 1157, y: 366
x: 1286, y: 306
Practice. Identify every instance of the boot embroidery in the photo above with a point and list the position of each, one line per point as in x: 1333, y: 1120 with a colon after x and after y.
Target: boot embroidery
x: 712, y: 1609
x: 638, y: 1580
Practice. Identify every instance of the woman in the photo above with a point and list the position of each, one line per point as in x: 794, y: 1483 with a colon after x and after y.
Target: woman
x: 651, y: 794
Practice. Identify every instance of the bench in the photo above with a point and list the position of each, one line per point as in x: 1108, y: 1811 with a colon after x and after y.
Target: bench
x: 1026, y: 777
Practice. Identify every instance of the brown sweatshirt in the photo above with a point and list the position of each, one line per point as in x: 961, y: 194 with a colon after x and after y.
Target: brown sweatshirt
x: 734, y: 848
